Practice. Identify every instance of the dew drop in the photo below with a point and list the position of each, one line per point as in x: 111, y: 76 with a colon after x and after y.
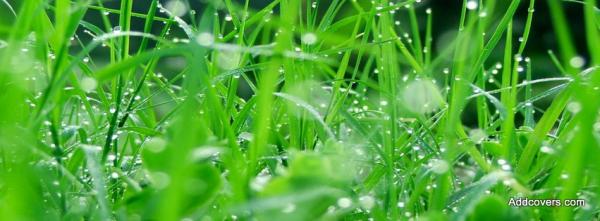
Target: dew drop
x: 344, y: 202
x: 577, y: 62
x: 205, y: 39
x: 472, y: 5
x: 439, y: 166
x: 289, y: 208
x: 88, y: 84
x: 477, y: 135
x: 422, y: 96
x: 547, y: 149
x: 367, y: 202
x: 155, y: 144
x: 401, y: 204
x: 309, y: 38
x: 177, y: 7
x: 228, y: 60
x: 574, y: 107
x: 597, y: 126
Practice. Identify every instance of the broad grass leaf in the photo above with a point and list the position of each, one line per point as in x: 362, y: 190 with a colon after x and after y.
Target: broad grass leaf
x: 494, y: 208
x: 467, y: 198
x: 492, y: 147
x: 201, y: 183
x: 155, y: 155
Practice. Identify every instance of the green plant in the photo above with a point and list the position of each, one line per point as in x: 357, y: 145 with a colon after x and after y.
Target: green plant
x: 293, y: 110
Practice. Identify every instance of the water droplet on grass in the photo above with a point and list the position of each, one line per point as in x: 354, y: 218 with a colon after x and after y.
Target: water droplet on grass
x: 472, y: 5
x: 574, y: 107
x: 597, y: 126
x: 88, y: 84
x: 228, y: 60
x: 289, y: 208
x: 155, y: 144
x: 477, y: 135
x: 309, y: 38
x: 547, y: 149
x: 367, y: 202
x: 205, y: 39
x: 439, y: 166
x: 205, y: 152
x: 344, y: 202
x: 260, y: 181
x: 401, y: 204
x: 422, y: 96
x: 577, y: 62
x: 177, y: 7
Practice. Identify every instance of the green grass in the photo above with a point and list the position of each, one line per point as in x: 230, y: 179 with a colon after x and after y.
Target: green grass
x: 296, y: 110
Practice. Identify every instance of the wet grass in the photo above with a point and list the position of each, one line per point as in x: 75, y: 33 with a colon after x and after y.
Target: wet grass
x: 299, y: 110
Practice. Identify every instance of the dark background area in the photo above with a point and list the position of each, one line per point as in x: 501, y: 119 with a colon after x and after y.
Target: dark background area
x: 446, y: 15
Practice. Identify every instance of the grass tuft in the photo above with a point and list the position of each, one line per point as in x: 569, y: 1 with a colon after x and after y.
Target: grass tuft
x: 299, y: 110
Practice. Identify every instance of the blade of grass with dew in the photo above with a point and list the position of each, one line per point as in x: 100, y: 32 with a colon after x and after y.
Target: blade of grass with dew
x: 562, y: 31
x: 388, y: 79
x: 267, y: 85
x: 584, y: 141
